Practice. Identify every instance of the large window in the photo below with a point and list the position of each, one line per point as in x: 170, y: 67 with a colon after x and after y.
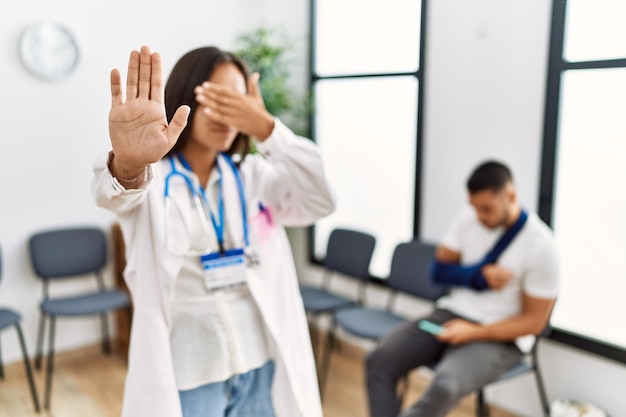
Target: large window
x: 366, y: 77
x: 584, y: 171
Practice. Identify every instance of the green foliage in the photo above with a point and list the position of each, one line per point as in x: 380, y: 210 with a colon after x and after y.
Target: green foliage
x: 265, y: 50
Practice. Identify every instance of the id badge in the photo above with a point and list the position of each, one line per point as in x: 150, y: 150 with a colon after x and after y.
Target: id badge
x: 224, y: 269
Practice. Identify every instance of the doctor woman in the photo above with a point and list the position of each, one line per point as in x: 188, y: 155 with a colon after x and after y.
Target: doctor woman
x: 218, y: 325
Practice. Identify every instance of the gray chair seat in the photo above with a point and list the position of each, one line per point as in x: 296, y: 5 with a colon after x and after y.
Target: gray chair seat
x: 368, y: 323
x: 87, y: 304
x: 317, y: 300
x: 519, y: 369
x: 8, y: 318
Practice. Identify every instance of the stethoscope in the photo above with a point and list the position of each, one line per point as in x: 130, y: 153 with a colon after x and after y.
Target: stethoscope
x: 201, y: 207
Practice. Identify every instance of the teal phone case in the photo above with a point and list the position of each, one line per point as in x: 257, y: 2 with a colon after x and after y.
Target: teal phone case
x: 430, y: 327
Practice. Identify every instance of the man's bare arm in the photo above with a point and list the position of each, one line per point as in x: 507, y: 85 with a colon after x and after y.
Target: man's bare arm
x: 532, y: 320
x: 444, y: 254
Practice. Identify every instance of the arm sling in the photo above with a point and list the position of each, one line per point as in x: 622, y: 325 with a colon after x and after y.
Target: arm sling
x: 453, y: 274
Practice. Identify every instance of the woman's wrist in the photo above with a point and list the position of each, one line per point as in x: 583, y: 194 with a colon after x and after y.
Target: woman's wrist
x: 140, y: 178
x: 266, y: 128
x: 126, y: 173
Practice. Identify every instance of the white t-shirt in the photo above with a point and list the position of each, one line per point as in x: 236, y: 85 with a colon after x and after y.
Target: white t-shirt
x: 531, y: 257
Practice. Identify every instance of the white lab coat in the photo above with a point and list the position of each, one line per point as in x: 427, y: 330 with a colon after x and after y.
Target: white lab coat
x: 290, y: 180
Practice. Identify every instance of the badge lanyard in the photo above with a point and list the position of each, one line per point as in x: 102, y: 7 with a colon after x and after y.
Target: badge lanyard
x: 199, y: 193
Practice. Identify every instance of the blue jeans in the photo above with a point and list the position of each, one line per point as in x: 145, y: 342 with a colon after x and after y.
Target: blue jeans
x: 244, y: 395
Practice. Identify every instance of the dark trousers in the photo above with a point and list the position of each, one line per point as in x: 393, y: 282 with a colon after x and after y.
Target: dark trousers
x: 460, y: 369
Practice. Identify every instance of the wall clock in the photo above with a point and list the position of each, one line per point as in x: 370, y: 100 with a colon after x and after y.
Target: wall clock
x: 49, y: 50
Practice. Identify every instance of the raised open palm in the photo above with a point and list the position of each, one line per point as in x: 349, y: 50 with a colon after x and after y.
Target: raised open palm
x: 138, y: 128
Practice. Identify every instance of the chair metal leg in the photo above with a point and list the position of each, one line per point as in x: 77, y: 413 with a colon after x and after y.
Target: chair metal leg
x: 40, y: 336
x: 320, y: 340
x: 482, y: 409
x: 50, y: 364
x: 330, y: 345
x: 106, y: 340
x: 542, y: 392
x: 29, y: 371
x: 314, y: 338
x: 1, y: 365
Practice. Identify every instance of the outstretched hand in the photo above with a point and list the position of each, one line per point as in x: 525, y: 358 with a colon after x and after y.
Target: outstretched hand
x: 138, y: 128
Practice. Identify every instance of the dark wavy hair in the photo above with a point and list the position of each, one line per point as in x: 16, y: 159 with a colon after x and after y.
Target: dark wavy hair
x: 191, y: 70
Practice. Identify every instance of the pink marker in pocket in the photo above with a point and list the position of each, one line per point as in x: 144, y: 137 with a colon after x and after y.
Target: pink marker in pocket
x: 263, y: 223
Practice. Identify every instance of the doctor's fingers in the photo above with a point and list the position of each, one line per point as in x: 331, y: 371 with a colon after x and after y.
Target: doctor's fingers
x: 220, y: 94
x: 242, y: 122
x: 157, y: 87
x: 254, y: 90
x: 221, y: 117
x: 177, y: 124
x: 144, y: 70
x: 116, y: 88
x: 232, y: 106
x: 145, y: 73
x: 132, y: 76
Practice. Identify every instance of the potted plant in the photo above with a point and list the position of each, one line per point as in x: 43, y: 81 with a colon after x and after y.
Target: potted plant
x: 266, y: 51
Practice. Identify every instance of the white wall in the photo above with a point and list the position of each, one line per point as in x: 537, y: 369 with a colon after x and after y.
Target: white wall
x: 485, y: 74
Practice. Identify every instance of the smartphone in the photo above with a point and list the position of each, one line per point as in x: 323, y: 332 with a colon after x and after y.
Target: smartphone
x: 430, y: 327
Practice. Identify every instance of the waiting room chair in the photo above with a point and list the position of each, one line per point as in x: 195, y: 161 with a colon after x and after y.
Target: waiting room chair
x: 421, y: 286
x: 10, y: 318
x: 528, y: 364
x: 348, y: 252
x: 76, y: 253
x: 409, y: 274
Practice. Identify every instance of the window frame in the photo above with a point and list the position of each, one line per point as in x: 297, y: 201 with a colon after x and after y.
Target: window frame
x: 419, y: 75
x: 557, y: 66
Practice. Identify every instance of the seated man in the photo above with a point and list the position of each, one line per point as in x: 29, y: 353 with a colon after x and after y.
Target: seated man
x: 502, y: 269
